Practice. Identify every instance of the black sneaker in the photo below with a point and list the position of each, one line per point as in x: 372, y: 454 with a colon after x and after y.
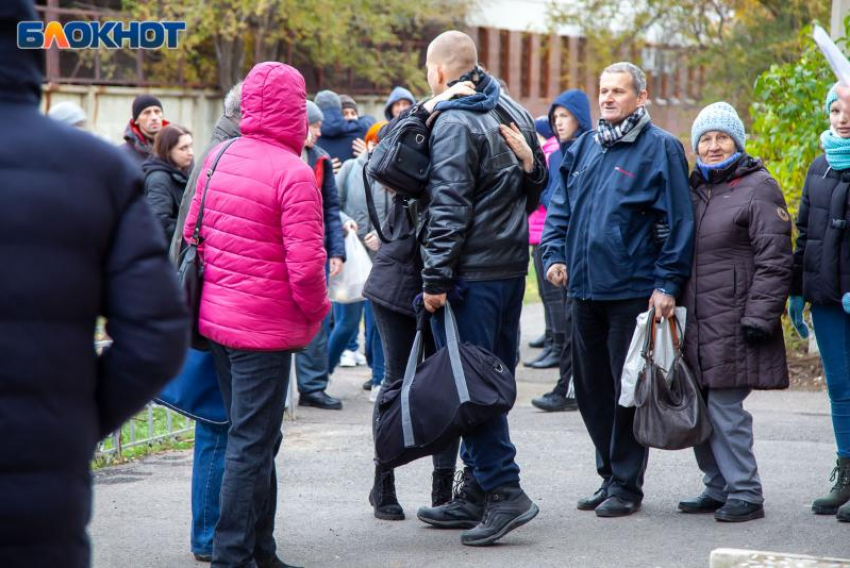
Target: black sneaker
x: 738, y: 511
x: 554, y: 402
x: 320, y: 399
x: 367, y: 386
x: 702, y: 504
x: 508, y: 507
x: 464, y: 511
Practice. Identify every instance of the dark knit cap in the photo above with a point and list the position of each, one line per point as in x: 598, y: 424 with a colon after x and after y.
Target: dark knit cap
x: 347, y: 102
x: 142, y: 102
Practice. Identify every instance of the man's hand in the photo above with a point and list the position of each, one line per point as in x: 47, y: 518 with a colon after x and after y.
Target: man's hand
x: 557, y: 275
x: 359, y: 147
x: 464, y: 89
x: 664, y: 304
x: 336, y: 165
x: 518, y: 145
x: 348, y: 226
x: 372, y: 241
x: 433, y: 302
x: 336, y: 265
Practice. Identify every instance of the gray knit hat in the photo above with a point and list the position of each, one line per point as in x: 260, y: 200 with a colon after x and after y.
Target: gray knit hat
x: 327, y: 100
x: 347, y: 102
x: 720, y: 117
x: 68, y: 113
x: 314, y: 113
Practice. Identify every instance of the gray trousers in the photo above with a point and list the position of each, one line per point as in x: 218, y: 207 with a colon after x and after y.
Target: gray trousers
x: 727, y: 458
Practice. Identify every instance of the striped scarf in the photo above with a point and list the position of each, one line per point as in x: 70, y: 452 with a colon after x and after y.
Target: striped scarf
x: 837, y: 150
x: 607, y: 134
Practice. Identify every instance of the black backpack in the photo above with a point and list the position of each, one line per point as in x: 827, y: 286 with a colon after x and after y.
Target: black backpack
x: 402, y: 161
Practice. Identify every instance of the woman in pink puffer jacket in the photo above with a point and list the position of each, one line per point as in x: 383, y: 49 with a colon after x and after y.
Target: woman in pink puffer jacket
x: 264, y: 295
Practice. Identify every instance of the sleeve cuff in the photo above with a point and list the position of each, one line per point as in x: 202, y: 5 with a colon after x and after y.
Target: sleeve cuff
x: 435, y: 288
x: 669, y: 286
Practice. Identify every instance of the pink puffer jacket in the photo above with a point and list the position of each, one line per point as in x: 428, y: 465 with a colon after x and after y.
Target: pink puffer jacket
x: 263, y: 245
x: 537, y: 220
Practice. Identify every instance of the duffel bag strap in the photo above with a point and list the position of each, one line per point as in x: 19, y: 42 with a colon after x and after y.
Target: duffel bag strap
x: 409, y: 374
x: 454, y: 354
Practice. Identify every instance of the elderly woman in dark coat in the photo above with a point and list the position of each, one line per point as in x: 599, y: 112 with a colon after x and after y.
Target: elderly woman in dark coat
x: 735, y: 299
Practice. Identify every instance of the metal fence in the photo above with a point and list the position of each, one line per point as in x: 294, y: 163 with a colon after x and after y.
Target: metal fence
x: 154, y: 424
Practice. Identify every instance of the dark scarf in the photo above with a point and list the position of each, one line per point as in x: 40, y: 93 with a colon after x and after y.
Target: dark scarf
x: 607, y: 134
x: 485, y: 98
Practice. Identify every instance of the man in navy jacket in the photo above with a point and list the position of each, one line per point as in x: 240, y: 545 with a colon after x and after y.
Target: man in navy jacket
x: 618, y: 181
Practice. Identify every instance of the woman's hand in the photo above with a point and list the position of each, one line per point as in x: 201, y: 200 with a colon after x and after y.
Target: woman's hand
x: 518, y: 145
x: 463, y: 89
x: 372, y: 241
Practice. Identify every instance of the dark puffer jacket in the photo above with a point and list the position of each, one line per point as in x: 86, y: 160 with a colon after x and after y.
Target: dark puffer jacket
x: 822, y: 258
x: 741, y: 276
x: 77, y: 240
x: 164, y: 187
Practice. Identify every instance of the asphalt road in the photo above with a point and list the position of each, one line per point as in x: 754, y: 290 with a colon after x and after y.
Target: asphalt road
x: 142, y: 512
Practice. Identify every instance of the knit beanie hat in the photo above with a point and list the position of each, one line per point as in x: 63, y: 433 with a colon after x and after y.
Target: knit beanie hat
x: 347, y: 102
x: 831, y: 97
x: 314, y: 113
x: 68, y: 113
x: 720, y: 117
x: 142, y: 102
x: 543, y: 128
x: 328, y: 100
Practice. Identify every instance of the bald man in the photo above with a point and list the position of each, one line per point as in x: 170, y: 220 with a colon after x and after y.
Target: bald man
x: 487, y: 172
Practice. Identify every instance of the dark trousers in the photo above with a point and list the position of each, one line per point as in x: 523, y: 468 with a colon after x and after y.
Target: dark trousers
x: 397, y: 333
x: 557, y: 312
x: 311, y: 364
x: 602, y: 332
x: 253, y: 385
x: 489, y: 317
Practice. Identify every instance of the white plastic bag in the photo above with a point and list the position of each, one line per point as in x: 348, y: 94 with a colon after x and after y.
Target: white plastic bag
x: 663, y: 354
x: 347, y: 286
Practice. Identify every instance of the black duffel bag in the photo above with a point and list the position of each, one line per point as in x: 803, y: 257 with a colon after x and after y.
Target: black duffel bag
x: 451, y: 393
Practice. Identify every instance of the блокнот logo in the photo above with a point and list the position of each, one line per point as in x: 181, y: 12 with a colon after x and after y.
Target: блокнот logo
x: 94, y: 35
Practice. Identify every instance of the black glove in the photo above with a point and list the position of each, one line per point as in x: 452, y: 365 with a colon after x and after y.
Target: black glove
x: 754, y: 335
x: 660, y: 232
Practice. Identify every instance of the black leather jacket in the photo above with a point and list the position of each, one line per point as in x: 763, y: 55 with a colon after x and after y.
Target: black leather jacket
x: 476, y: 217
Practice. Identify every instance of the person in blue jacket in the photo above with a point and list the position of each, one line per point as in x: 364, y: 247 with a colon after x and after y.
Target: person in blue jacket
x: 617, y: 182
x: 341, y: 125
x: 400, y: 100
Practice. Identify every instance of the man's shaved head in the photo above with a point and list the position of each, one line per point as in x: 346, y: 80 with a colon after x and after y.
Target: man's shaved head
x: 455, y: 52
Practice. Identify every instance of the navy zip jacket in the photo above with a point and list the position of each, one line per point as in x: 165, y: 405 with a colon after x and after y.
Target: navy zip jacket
x: 339, y: 134
x: 319, y: 160
x: 601, y: 226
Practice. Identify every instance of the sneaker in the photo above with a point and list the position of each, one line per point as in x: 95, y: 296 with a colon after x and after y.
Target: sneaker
x: 554, y: 402
x: 464, y: 511
x: 737, y: 511
x: 367, y: 385
x: 374, y: 392
x: 359, y: 358
x: 507, y: 508
x: 347, y: 359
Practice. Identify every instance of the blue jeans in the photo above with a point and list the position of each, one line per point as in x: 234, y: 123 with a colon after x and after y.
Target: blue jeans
x: 832, y: 330
x: 374, y: 348
x: 207, y: 471
x: 346, y: 325
x: 253, y: 385
x: 489, y: 317
x: 311, y: 365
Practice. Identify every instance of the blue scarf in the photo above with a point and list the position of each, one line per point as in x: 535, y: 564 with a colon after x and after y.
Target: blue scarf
x: 484, y: 100
x: 706, y: 169
x: 837, y: 150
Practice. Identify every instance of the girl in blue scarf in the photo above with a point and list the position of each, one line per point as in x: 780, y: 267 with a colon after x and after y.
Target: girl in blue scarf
x: 822, y: 278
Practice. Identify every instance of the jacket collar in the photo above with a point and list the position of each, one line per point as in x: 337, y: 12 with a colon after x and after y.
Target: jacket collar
x: 744, y: 166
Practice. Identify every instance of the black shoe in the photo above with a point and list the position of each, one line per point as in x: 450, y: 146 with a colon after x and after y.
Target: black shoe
x: 199, y: 557
x: 383, y: 498
x: 590, y: 503
x: 464, y: 511
x: 441, y: 486
x: 274, y: 563
x: 554, y: 402
x: 538, y: 343
x: 615, y: 506
x: 702, y: 504
x: 507, y: 508
x: 737, y: 511
x: 551, y: 361
x: 320, y: 399
x: 840, y: 492
x: 547, y: 350
x: 367, y: 386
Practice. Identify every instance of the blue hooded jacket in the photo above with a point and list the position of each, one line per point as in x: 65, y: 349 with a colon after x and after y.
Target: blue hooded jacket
x: 398, y: 94
x: 578, y: 104
x: 601, y: 225
x: 339, y: 134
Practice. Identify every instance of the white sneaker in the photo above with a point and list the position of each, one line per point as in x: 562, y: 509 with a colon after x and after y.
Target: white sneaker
x: 359, y: 358
x: 373, y: 394
x: 347, y: 359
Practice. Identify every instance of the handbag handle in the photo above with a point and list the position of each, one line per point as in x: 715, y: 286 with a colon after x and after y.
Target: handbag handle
x: 453, y: 347
x: 196, y: 234
x: 649, y: 342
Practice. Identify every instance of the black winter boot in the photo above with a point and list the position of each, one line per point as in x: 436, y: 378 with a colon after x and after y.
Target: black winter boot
x: 508, y: 507
x: 441, y: 486
x: 464, y: 511
x: 840, y: 492
x: 383, y: 498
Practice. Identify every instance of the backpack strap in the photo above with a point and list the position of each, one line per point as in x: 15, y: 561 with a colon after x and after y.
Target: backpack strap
x: 370, y: 205
x: 196, y: 234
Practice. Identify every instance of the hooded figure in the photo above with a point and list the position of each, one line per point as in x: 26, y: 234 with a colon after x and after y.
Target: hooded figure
x: 398, y: 94
x: 577, y: 103
x: 77, y: 241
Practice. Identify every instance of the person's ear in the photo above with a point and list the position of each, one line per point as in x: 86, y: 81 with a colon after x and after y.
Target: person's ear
x: 642, y: 98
